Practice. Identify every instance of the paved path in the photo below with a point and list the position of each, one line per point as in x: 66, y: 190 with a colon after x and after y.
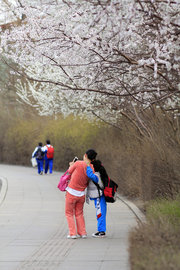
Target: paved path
x: 33, y: 227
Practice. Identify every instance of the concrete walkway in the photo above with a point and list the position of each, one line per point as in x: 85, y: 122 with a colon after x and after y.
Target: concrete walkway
x: 33, y: 227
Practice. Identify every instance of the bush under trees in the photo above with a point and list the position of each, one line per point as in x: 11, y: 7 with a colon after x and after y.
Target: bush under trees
x: 143, y: 169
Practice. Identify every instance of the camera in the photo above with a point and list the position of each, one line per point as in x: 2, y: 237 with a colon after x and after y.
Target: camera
x: 75, y: 159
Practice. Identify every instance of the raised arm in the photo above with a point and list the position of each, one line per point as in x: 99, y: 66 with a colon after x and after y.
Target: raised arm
x: 91, y: 175
x: 72, y: 167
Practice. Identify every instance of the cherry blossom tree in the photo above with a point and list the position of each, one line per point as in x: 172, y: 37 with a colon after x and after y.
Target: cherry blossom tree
x: 102, y: 57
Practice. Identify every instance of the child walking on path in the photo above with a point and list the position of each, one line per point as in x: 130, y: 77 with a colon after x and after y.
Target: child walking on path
x: 49, y: 156
x: 39, y: 154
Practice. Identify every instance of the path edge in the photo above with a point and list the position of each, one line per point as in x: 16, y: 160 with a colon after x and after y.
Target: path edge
x: 136, y: 211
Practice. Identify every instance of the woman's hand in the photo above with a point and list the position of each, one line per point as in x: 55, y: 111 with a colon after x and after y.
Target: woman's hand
x: 71, y: 163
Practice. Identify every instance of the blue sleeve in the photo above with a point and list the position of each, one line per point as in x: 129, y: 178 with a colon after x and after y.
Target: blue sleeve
x: 91, y: 175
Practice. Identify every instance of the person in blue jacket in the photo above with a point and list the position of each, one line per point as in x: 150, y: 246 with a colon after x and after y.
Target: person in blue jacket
x: 95, y: 193
x: 39, y: 155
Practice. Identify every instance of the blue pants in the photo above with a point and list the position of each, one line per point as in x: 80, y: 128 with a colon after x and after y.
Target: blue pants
x: 101, y: 221
x: 40, y: 163
x: 48, y: 165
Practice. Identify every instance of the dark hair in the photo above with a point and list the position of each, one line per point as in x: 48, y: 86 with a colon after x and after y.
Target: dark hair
x: 48, y: 141
x: 91, y: 154
x: 40, y: 144
x: 98, y: 167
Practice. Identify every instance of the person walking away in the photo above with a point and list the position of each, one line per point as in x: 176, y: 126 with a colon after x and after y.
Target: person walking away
x: 49, y: 156
x: 75, y: 197
x: 39, y: 154
x: 95, y: 192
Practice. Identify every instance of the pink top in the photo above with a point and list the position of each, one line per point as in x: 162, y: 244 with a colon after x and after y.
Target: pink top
x: 79, y: 179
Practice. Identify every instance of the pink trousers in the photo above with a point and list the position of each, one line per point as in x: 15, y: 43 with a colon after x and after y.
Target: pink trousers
x: 74, y: 214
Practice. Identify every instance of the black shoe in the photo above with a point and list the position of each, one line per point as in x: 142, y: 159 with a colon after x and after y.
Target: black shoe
x: 99, y: 234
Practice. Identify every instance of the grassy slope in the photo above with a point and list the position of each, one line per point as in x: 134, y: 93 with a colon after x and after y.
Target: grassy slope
x: 155, y: 245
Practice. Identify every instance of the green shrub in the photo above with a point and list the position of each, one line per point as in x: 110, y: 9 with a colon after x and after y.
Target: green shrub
x: 145, y: 168
x: 70, y: 137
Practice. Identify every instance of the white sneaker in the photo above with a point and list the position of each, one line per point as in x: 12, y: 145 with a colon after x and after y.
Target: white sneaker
x: 72, y: 236
x: 82, y: 236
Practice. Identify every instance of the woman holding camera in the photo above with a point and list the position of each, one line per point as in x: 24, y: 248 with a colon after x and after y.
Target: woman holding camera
x: 75, y: 196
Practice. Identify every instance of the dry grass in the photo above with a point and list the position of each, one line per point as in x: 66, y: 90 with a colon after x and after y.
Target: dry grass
x: 144, y: 167
x: 155, y: 245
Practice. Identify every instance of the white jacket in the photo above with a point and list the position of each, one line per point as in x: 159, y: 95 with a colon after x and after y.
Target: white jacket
x: 92, y: 190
